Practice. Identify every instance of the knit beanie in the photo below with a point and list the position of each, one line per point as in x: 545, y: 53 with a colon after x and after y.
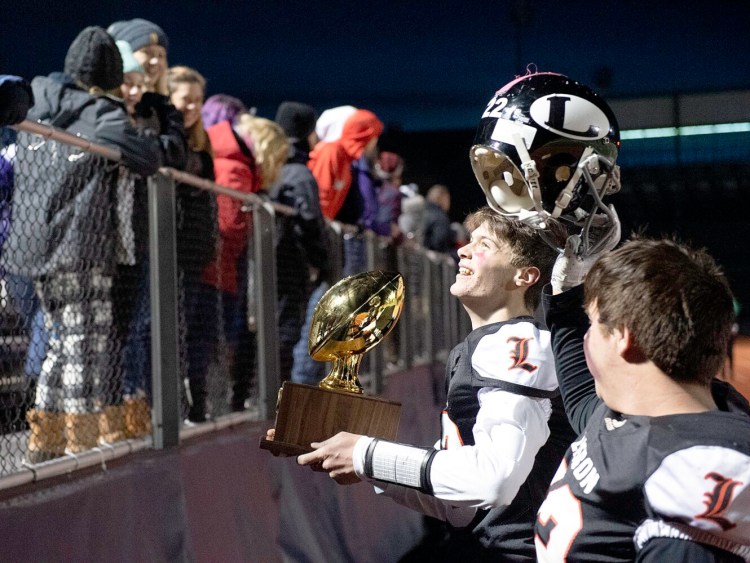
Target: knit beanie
x: 139, y: 33
x: 94, y: 60
x: 331, y: 122
x: 129, y: 64
x: 296, y: 119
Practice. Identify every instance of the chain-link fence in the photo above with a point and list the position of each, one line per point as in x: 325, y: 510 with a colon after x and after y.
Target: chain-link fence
x: 126, y: 322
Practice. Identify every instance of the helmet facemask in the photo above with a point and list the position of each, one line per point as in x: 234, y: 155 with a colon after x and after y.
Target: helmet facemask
x: 517, y: 194
x: 602, y: 178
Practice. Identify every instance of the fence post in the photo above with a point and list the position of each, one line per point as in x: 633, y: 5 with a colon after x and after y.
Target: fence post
x: 165, y: 353
x: 376, y: 356
x: 407, y: 323
x: 335, y: 247
x: 264, y: 272
x: 427, y: 317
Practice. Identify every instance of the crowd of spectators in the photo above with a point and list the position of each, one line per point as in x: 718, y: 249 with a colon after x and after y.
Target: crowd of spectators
x: 75, y: 252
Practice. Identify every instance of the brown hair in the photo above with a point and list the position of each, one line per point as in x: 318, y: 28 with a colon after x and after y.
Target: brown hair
x: 196, y: 134
x: 675, y: 301
x: 526, y: 244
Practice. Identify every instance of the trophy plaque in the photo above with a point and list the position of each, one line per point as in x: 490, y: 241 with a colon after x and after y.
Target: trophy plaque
x: 350, y: 319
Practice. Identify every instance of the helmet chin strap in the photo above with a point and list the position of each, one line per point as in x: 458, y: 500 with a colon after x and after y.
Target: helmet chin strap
x: 563, y: 199
x: 531, y: 174
x: 589, y: 163
x: 532, y: 218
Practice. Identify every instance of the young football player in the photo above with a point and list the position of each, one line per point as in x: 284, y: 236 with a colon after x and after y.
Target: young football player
x: 661, y: 469
x: 503, y: 431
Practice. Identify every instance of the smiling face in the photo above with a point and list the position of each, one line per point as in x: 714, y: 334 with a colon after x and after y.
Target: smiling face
x: 132, y: 89
x: 153, y: 59
x: 187, y: 97
x: 485, y: 274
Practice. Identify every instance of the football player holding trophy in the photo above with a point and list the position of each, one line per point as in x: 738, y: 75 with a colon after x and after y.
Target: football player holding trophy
x: 544, y: 155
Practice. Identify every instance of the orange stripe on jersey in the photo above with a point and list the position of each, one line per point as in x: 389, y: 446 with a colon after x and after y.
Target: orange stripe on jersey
x: 450, y: 432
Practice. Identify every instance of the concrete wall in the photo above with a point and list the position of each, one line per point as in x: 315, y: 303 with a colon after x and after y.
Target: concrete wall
x: 221, y: 498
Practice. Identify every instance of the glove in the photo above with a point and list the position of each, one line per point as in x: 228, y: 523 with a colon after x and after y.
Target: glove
x: 153, y: 105
x: 15, y: 99
x: 573, y: 264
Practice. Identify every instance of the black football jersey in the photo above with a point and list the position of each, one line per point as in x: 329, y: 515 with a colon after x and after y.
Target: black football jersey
x: 628, y: 475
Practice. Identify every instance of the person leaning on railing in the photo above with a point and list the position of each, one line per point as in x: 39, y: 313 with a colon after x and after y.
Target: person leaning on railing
x: 343, y: 178
x: 248, y: 154
x: 150, y: 47
x: 301, y: 257
x: 197, y: 231
x: 64, y: 238
x: 128, y: 415
x: 16, y: 97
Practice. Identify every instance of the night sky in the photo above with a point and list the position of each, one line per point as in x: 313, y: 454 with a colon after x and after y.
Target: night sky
x: 421, y: 65
x: 427, y: 69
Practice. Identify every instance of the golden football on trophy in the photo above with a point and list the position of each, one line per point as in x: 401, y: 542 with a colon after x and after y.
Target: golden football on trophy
x: 350, y: 319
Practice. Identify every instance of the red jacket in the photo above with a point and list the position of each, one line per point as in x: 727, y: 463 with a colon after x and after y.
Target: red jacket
x: 331, y: 162
x: 234, y: 169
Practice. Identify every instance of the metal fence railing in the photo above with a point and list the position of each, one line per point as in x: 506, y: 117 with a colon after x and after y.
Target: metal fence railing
x: 168, y: 341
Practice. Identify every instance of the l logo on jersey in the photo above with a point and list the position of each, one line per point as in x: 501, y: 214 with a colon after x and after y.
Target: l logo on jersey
x: 570, y: 116
x: 718, y: 500
x: 520, y: 353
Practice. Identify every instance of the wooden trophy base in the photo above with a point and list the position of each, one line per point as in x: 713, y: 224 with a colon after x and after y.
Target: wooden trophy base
x: 308, y: 414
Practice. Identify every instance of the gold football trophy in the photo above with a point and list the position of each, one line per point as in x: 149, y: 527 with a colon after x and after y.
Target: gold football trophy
x: 351, y: 318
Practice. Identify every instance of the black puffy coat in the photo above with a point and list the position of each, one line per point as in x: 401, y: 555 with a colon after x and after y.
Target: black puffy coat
x: 64, y: 202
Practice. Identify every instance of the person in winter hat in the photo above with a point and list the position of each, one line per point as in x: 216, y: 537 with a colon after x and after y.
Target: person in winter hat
x: 330, y: 124
x: 331, y: 163
x: 153, y: 115
x: 133, y: 77
x: 93, y: 61
x: 301, y: 254
x: 150, y: 46
x: 298, y: 122
x: 15, y: 99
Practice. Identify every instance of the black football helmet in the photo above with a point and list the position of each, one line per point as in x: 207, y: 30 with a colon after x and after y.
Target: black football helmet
x: 546, y: 147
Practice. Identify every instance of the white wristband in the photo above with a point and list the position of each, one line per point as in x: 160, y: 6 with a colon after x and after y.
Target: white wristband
x: 401, y: 464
